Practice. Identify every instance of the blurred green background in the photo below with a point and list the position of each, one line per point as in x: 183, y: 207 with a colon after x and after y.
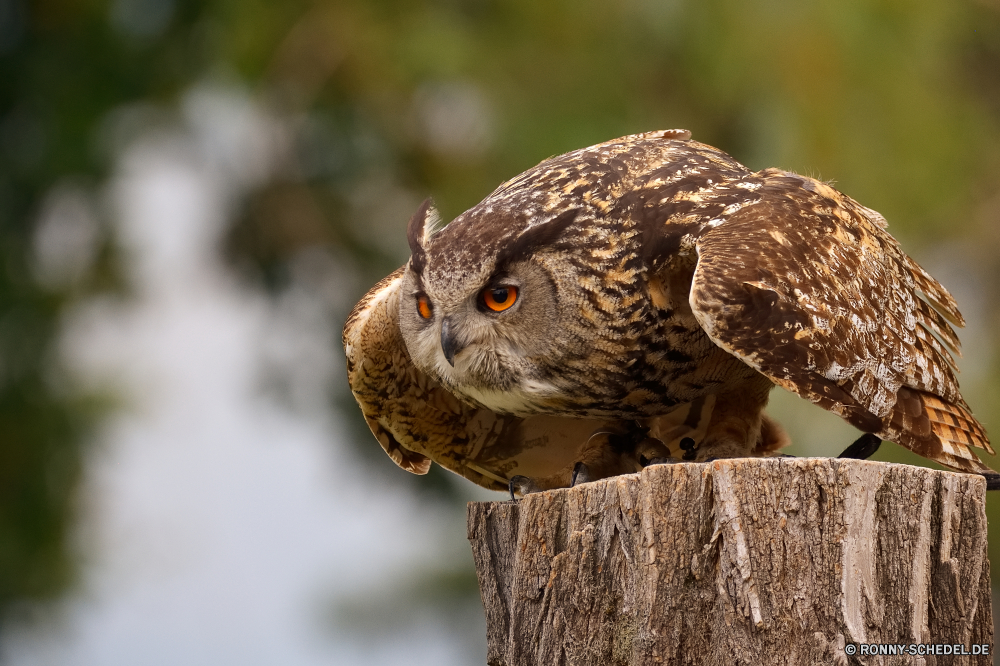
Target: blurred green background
x: 385, y: 103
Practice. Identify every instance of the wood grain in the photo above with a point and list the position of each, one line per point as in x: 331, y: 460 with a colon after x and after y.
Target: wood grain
x: 745, y: 561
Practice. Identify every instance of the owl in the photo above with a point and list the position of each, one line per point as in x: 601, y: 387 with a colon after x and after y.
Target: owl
x: 637, y: 301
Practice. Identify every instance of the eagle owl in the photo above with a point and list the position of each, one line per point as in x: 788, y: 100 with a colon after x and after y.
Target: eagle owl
x: 639, y: 299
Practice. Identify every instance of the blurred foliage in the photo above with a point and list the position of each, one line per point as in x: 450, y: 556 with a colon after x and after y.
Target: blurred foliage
x: 387, y: 102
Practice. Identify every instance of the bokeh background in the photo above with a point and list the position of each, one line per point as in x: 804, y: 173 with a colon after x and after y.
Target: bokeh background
x: 194, y: 194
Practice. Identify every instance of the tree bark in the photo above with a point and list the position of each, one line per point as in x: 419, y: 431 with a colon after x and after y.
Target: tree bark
x: 747, y: 561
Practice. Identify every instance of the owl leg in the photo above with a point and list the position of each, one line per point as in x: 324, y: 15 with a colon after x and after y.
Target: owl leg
x: 636, y: 449
x: 737, y: 424
x: 652, y: 451
x: 772, y: 437
x: 608, y: 454
x: 619, y: 448
x: 624, y: 453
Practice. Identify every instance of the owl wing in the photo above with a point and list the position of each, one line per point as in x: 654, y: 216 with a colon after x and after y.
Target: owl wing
x: 371, y: 343
x: 805, y: 285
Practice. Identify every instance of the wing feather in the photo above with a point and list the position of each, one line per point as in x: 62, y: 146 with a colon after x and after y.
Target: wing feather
x: 806, y: 286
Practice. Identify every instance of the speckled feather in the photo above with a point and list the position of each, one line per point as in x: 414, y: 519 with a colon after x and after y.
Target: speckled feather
x: 808, y: 287
x: 677, y: 274
x: 610, y: 242
x: 416, y: 421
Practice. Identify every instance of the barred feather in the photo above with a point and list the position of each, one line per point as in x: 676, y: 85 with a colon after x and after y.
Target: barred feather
x: 849, y: 321
x: 942, y: 431
x: 666, y: 277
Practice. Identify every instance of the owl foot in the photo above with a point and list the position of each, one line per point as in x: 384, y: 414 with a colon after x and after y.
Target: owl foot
x: 709, y: 450
x: 581, y: 474
x: 522, y: 485
x: 863, y: 447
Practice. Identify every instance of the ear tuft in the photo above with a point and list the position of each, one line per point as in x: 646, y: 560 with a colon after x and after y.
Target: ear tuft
x: 433, y: 223
x: 418, y: 231
x: 415, y: 230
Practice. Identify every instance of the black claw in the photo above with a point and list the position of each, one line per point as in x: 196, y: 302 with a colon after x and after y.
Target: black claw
x: 992, y: 481
x: 863, y: 447
x: 690, y: 448
x: 581, y: 474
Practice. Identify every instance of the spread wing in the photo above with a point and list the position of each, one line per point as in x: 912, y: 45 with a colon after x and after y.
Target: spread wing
x: 417, y: 421
x: 805, y: 285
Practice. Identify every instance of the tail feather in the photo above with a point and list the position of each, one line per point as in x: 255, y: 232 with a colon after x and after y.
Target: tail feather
x: 942, y: 431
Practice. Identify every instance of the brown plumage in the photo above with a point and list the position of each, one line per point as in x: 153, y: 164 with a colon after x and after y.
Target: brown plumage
x: 416, y: 420
x: 618, y: 287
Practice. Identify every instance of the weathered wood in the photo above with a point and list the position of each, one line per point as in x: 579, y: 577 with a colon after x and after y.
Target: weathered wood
x: 749, y: 561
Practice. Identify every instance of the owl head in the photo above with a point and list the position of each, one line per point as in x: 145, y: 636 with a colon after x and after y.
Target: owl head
x: 533, y: 301
x: 483, y: 304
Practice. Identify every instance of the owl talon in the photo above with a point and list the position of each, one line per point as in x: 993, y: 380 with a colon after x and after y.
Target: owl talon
x: 863, y: 447
x: 690, y: 448
x: 581, y: 474
x: 521, y: 485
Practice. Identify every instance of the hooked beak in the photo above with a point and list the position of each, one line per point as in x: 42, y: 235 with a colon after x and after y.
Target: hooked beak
x: 449, y: 345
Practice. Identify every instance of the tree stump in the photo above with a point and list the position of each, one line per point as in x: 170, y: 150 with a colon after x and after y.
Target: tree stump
x: 747, y: 561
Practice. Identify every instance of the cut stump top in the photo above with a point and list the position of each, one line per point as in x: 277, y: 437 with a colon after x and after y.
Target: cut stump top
x: 743, y: 561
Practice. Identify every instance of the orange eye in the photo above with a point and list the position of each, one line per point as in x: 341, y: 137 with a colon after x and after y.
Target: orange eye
x: 424, y: 307
x: 499, y: 299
